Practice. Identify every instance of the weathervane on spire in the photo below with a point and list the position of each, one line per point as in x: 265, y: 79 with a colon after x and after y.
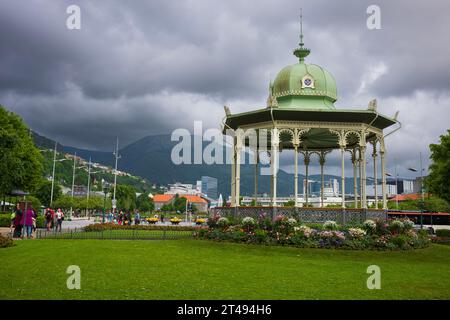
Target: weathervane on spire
x: 301, y: 52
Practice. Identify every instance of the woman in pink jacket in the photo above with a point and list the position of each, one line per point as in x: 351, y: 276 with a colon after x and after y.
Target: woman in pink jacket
x: 27, y: 221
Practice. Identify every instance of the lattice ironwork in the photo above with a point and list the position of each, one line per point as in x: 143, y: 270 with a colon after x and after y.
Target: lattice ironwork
x: 305, y: 215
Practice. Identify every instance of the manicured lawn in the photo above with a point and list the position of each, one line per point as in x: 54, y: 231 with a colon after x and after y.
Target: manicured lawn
x: 195, y: 269
x: 119, y: 234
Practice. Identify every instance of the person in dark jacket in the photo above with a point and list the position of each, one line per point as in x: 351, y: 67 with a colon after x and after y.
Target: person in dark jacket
x: 17, y: 223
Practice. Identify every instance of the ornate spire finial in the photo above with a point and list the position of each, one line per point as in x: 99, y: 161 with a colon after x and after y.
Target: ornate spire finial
x: 301, y: 52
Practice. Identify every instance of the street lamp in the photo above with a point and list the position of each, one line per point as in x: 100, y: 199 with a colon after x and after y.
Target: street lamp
x: 105, y: 188
x: 421, y: 191
x: 117, y: 157
x: 53, y: 173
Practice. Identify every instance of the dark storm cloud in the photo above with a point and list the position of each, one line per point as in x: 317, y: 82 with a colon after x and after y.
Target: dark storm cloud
x: 145, y: 67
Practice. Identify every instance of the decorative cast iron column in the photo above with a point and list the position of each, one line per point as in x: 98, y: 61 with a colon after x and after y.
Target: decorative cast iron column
x: 233, y: 173
x: 275, y: 141
x: 364, y: 179
x: 296, y: 174
x: 256, y: 175
x: 383, y: 172
x: 343, y: 174
x: 238, y: 168
x: 355, y: 178
x: 322, y: 182
x: 375, y: 180
x: 306, y: 160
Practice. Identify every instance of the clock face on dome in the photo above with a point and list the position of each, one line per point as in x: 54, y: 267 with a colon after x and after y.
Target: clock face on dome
x: 308, y: 82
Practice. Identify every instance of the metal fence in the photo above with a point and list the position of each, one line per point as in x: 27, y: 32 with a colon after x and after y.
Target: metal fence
x: 114, y: 234
x: 305, y: 215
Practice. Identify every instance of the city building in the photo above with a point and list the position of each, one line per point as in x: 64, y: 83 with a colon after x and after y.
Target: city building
x: 209, y: 187
x: 164, y: 199
x: 182, y: 188
x: 403, y: 186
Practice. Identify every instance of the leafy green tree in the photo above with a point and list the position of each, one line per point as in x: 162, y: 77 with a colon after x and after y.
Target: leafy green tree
x: 64, y: 202
x: 438, y: 181
x: 144, y: 203
x: 35, y: 202
x: 20, y: 160
x: 179, y: 204
x: 126, y: 197
x: 167, y: 208
x: 44, y: 192
x: 193, y: 208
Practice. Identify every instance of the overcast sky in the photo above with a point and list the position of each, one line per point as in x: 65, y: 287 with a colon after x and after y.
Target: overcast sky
x: 137, y: 68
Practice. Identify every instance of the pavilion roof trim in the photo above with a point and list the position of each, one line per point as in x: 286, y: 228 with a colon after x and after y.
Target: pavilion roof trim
x: 318, y: 115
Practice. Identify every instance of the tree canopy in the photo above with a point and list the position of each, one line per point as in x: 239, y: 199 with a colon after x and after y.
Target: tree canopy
x: 144, y: 203
x: 126, y: 197
x: 438, y: 181
x: 20, y: 160
x: 44, y: 192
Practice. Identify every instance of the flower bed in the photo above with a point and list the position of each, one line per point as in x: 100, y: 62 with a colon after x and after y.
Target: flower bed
x: 152, y: 220
x: 200, y: 221
x: 372, y: 234
x: 175, y: 220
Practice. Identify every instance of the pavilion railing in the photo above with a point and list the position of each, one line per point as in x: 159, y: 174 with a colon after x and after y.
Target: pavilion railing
x: 305, y: 215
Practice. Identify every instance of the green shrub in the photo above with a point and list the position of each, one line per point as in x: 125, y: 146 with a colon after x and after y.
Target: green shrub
x: 40, y: 221
x: 317, y: 226
x: 443, y: 233
x: 400, y: 241
x: 5, y: 220
x: 6, y: 242
x: 261, y: 236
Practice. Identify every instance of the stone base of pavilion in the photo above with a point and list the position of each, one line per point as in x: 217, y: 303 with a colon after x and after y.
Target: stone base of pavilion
x: 304, y: 215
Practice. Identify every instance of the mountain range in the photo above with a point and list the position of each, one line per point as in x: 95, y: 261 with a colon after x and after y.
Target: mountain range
x: 150, y: 157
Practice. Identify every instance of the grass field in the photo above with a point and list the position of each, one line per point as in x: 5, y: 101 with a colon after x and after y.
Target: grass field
x: 118, y: 234
x: 195, y: 269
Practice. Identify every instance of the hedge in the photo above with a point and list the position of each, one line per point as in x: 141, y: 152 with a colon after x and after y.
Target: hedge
x: 443, y: 233
x: 5, y: 221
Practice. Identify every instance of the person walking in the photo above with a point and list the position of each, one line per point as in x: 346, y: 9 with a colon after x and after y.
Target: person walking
x: 27, y: 221
x: 120, y: 217
x: 13, y: 218
x: 59, y: 219
x: 49, y: 218
x: 129, y: 217
x: 18, y: 223
x: 137, y: 218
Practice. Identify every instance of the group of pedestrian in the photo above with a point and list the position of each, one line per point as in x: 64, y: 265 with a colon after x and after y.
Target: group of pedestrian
x: 23, y: 221
x: 124, y: 218
x: 53, y: 220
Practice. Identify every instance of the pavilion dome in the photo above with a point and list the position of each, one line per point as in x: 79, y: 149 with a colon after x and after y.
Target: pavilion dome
x: 303, y: 86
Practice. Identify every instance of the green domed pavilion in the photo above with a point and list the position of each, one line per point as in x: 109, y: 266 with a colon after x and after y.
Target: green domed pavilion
x: 300, y: 115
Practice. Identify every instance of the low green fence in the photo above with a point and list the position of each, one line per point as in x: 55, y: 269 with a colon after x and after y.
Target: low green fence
x: 132, y: 234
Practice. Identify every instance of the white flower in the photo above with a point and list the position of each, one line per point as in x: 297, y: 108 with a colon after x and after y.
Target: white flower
x: 330, y: 225
x: 356, y: 233
x: 306, y: 231
x: 369, y: 225
x: 248, y: 221
x: 222, y: 222
x: 408, y: 224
